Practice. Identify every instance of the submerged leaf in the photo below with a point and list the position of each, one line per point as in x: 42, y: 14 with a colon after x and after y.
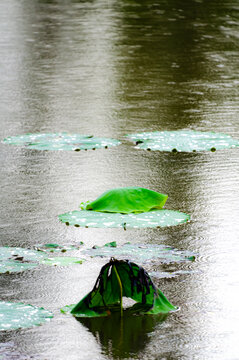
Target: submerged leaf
x: 128, y: 200
x: 118, y: 279
x: 183, y: 140
x: 142, y: 253
x: 61, y: 141
x: 151, y: 219
x: 19, y: 315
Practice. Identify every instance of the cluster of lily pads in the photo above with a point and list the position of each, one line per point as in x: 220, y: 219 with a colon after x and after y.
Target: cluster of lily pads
x: 124, y: 208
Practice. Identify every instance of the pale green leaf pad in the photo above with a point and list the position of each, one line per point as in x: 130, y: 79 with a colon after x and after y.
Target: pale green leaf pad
x: 10, y: 266
x: 18, y: 315
x: 61, y: 261
x: 61, y: 141
x: 143, y: 253
x: 183, y: 141
x: 56, y: 248
x: 151, y: 219
x: 16, y: 259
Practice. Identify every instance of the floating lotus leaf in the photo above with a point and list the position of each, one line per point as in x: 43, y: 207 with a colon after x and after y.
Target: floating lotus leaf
x: 16, y: 259
x: 19, y: 315
x: 61, y: 261
x: 57, y: 248
x: 128, y: 200
x: 151, y: 219
x: 170, y: 275
x: 10, y: 266
x: 142, y: 253
x: 61, y: 141
x: 183, y: 140
x: 118, y: 279
x: 13, y: 253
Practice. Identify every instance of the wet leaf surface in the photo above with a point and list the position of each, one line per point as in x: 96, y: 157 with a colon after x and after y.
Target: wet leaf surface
x: 183, y: 141
x: 61, y: 261
x: 60, y: 141
x: 143, y: 253
x: 19, y: 315
x: 118, y: 279
x: 14, y: 259
x: 56, y: 248
x: 127, y: 200
x: 155, y: 218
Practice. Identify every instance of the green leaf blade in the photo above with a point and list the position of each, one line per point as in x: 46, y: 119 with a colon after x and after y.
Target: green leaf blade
x: 134, y: 283
x: 128, y: 200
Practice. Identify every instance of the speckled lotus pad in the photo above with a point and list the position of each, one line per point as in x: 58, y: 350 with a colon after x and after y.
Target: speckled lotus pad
x: 61, y: 261
x: 142, y: 253
x: 183, y: 141
x: 18, y: 315
x: 16, y: 259
x: 157, y: 218
x: 57, y: 248
x: 61, y: 141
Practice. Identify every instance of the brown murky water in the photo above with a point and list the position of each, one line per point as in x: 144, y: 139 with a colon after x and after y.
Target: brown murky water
x: 110, y: 68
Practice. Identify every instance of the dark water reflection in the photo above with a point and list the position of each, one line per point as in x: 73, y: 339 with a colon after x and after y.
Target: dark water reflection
x: 123, y: 337
x: 109, y: 68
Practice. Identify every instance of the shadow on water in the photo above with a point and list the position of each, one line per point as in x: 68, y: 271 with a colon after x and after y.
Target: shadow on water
x: 123, y: 337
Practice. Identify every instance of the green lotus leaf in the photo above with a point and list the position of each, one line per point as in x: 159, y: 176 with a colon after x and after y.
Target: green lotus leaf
x: 16, y: 259
x: 183, y: 140
x: 170, y: 274
x: 128, y: 200
x: 52, y: 248
x: 61, y: 261
x: 60, y: 141
x: 10, y: 266
x: 118, y: 279
x: 151, y: 219
x: 19, y: 315
x: 13, y: 253
x: 143, y: 253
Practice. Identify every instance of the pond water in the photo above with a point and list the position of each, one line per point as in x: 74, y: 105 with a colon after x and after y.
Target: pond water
x: 110, y: 68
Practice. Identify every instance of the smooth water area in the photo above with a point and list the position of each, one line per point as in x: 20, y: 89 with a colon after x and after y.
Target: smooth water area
x: 110, y: 68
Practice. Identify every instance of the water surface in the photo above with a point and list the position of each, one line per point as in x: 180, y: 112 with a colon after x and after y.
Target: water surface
x: 109, y: 68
